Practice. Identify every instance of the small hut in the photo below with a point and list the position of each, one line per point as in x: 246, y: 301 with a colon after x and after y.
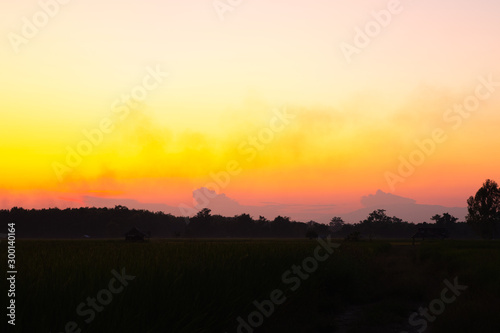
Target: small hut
x: 135, y: 235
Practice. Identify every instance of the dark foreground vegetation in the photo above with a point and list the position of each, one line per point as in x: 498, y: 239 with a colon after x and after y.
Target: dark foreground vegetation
x: 188, y: 286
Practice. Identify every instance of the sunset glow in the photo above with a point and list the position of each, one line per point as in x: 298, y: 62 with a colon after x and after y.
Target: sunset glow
x: 150, y: 101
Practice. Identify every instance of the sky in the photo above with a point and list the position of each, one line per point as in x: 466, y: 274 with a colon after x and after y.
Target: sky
x: 307, y: 106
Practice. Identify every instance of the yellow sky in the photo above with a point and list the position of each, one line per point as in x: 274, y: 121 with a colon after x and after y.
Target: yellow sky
x: 69, y: 71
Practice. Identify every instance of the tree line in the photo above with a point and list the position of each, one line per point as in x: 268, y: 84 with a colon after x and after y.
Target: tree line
x: 483, y: 220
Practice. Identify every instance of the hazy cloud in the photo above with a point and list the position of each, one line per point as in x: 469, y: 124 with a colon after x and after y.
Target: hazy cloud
x: 380, y: 199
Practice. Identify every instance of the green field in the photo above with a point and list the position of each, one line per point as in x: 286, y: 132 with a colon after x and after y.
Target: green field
x: 205, y: 285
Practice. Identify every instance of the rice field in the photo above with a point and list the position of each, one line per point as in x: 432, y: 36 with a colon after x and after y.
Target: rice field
x: 206, y: 285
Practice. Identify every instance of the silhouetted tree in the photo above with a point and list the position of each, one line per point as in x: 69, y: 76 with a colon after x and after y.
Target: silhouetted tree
x: 263, y: 220
x: 484, y: 209
x: 446, y: 220
x: 204, y: 214
x: 282, y: 227
x: 281, y: 220
x: 336, y: 224
x: 379, y: 223
x: 377, y: 216
x: 245, y: 224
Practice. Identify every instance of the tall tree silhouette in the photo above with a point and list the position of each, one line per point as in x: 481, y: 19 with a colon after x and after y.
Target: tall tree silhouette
x: 446, y: 220
x: 336, y: 224
x: 484, y: 210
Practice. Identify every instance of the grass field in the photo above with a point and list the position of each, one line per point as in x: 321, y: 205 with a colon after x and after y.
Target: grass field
x: 205, y: 285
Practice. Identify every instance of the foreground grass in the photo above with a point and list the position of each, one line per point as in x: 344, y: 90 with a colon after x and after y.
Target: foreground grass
x: 205, y: 285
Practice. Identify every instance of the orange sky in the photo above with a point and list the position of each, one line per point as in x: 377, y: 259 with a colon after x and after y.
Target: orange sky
x: 148, y: 101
